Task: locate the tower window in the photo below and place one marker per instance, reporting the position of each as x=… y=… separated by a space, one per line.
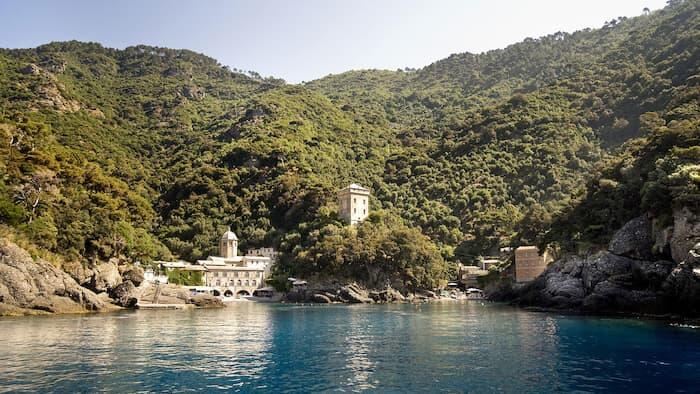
x=354 y=200
x=354 y=210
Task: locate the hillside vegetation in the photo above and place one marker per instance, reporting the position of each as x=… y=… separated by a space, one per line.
x=147 y=153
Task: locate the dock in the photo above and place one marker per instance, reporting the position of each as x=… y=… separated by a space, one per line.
x=164 y=306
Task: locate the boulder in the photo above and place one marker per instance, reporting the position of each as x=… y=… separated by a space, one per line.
x=206 y=301
x=634 y=239
x=105 y=277
x=134 y=275
x=320 y=298
x=562 y=285
x=354 y=294
x=601 y=266
x=79 y=272
x=28 y=284
x=167 y=294
x=388 y=295
x=30 y=69
x=125 y=294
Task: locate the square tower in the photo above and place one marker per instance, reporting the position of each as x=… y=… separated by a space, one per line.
x=353 y=203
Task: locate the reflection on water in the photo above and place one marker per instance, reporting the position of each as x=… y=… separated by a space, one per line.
x=468 y=346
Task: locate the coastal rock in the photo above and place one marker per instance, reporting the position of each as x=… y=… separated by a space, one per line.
x=34 y=284
x=206 y=301
x=125 y=294
x=634 y=239
x=354 y=294
x=570 y=289
x=320 y=298
x=79 y=272
x=686 y=233
x=682 y=290
x=652 y=273
x=105 y=277
x=388 y=295
x=134 y=275
x=598 y=283
x=163 y=294
x=601 y=266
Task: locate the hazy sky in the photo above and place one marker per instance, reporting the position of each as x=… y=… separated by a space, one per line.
x=306 y=39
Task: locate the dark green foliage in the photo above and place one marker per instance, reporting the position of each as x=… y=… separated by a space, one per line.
x=187 y=278
x=379 y=251
x=150 y=153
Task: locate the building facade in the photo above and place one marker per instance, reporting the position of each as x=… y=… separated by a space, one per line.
x=468 y=275
x=353 y=203
x=529 y=264
x=229 y=274
x=264 y=252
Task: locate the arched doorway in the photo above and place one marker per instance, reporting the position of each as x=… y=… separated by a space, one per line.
x=228 y=293
x=242 y=293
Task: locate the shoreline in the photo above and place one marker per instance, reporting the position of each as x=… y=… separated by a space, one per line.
x=673 y=319
x=610 y=314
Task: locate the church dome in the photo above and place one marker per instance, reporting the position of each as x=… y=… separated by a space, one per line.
x=229 y=235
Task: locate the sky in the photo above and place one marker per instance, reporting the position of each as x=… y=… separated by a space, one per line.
x=303 y=40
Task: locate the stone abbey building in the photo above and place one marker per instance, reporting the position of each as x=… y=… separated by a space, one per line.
x=230 y=274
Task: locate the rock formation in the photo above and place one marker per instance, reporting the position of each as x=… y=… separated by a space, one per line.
x=353 y=293
x=29 y=285
x=632 y=275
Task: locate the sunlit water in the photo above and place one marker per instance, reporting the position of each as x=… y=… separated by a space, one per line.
x=249 y=347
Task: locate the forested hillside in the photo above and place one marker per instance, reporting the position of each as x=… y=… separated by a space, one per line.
x=148 y=153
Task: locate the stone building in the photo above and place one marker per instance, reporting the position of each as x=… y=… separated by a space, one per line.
x=529 y=264
x=468 y=275
x=264 y=252
x=353 y=203
x=229 y=274
x=232 y=274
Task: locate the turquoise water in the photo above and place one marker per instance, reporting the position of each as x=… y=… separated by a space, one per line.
x=249 y=347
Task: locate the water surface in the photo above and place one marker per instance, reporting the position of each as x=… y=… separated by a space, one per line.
x=250 y=347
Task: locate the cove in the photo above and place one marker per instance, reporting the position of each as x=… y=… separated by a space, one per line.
x=249 y=347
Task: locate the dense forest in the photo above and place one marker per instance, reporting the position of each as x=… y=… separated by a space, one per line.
x=150 y=153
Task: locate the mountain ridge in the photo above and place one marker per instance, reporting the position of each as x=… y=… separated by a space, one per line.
x=149 y=152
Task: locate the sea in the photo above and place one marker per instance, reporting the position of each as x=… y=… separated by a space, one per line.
x=457 y=347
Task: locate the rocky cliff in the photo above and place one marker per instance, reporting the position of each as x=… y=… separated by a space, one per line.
x=645 y=270
x=29 y=285
x=35 y=286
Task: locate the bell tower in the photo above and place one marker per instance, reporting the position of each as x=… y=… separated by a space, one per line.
x=228 y=245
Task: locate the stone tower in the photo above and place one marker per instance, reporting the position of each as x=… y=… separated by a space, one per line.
x=228 y=245
x=353 y=203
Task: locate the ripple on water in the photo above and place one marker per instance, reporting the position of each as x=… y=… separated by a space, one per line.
x=388 y=348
